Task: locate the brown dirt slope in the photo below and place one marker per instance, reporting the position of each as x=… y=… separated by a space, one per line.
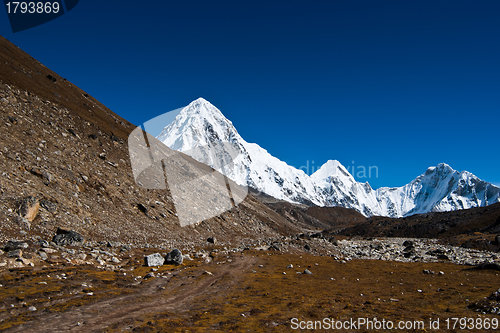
x=60 y=145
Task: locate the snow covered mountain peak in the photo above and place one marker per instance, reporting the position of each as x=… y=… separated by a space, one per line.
x=201 y=131
x=197 y=125
x=330 y=168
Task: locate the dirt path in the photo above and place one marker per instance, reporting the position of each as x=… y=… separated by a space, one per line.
x=148 y=299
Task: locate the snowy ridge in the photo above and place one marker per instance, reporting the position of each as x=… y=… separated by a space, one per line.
x=201 y=131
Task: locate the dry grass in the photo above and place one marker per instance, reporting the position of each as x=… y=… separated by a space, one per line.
x=267 y=300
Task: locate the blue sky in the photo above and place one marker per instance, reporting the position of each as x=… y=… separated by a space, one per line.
x=400 y=85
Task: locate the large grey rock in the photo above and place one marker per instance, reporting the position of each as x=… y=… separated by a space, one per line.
x=174 y=257
x=68 y=238
x=154 y=259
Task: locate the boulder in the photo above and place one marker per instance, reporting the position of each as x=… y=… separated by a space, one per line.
x=174 y=257
x=154 y=259
x=29 y=208
x=68 y=238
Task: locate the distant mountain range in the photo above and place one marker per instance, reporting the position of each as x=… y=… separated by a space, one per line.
x=201 y=131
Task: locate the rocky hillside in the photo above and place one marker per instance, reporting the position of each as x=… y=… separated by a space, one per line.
x=64 y=163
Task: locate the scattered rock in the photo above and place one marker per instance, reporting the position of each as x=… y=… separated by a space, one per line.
x=32 y=308
x=212 y=240
x=307 y=247
x=154 y=259
x=68 y=238
x=490 y=304
x=29 y=208
x=306 y=271
x=174 y=257
x=289 y=266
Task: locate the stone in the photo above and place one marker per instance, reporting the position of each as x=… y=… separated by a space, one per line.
x=15 y=245
x=442 y=257
x=47 y=176
x=42 y=243
x=409 y=248
x=142 y=208
x=42 y=255
x=274 y=247
x=174 y=257
x=408 y=243
x=154 y=259
x=334 y=241
x=306 y=271
x=68 y=238
x=212 y=240
x=307 y=247
x=15 y=254
x=497 y=239
x=29 y=208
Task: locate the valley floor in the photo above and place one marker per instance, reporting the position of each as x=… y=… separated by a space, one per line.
x=246 y=291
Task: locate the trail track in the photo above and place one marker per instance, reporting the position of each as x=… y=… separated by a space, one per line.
x=180 y=291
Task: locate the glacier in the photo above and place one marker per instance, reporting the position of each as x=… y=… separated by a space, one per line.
x=201 y=131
